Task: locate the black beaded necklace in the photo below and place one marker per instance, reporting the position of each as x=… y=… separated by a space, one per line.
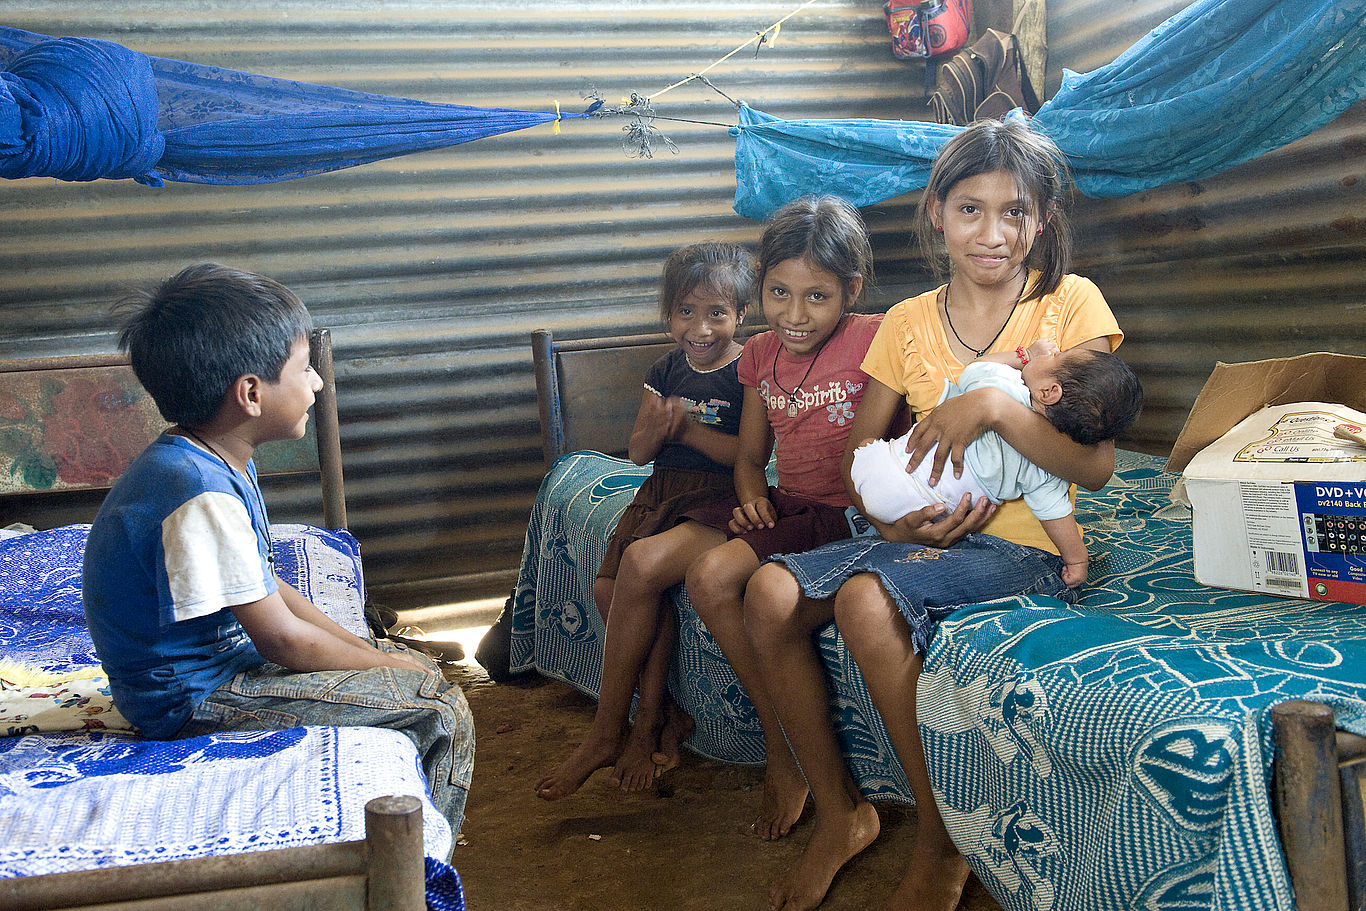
x=948 y=317
x=792 y=396
x=270 y=542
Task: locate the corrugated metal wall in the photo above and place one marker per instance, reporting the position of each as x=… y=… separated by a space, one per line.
x=433 y=269
x=1265 y=260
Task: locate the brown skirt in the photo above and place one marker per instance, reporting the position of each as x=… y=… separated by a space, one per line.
x=659 y=505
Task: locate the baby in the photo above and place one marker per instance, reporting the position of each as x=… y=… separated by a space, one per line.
x=1089 y=395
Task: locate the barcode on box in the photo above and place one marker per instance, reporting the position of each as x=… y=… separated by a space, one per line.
x=1281 y=563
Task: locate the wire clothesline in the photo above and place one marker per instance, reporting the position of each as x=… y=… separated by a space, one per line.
x=761 y=37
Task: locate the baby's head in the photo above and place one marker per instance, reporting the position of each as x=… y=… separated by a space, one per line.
x=192 y=336
x=1089 y=395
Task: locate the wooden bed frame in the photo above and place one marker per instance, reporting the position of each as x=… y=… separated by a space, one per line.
x=26 y=380
x=588 y=395
x=383 y=871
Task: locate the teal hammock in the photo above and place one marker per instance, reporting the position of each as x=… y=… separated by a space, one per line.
x=1216 y=85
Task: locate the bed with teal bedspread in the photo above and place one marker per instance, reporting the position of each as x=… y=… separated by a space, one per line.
x=1116 y=753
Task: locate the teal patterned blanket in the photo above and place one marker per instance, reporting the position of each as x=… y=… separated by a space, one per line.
x=1111 y=754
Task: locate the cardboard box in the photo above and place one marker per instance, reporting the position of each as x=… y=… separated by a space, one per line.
x=1278 y=503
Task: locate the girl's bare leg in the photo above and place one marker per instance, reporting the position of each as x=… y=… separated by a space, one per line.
x=635 y=768
x=716 y=585
x=879 y=640
x=648 y=568
x=603 y=586
x=780 y=621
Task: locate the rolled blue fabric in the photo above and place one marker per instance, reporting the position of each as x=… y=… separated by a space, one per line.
x=79 y=109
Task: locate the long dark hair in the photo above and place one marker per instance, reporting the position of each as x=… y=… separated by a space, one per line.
x=1040 y=175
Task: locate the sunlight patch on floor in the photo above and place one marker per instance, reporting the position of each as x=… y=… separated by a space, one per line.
x=464 y=622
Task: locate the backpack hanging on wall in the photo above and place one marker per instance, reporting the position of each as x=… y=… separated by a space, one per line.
x=987 y=80
x=927 y=29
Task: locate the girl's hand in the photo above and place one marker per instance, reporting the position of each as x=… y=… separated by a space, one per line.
x=950 y=427
x=676 y=418
x=1074 y=574
x=926 y=528
x=752 y=516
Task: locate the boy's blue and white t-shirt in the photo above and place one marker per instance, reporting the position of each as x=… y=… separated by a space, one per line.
x=179 y=539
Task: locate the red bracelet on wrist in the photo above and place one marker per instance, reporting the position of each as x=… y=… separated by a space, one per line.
x=1022 y=354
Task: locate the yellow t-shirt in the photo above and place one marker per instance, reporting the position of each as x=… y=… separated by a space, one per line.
x=910 y=355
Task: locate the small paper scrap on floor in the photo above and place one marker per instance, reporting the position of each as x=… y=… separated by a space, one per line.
x=595 y=838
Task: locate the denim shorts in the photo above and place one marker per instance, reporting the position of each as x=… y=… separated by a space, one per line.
x=929 y=583
x=430 y=711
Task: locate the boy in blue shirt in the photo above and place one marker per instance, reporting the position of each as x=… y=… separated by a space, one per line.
x=194 y=628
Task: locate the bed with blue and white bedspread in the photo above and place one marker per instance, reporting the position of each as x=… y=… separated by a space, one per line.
x=1112 y=754
x=79 y=791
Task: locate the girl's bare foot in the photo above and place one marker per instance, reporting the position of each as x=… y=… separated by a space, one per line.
x=934 y=877
x=834 y=842
x=635 y=769
x=678 y=727
x=589 y=756
x=784 y=799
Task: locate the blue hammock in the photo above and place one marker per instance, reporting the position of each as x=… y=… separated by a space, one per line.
x=1217 y=84
x=84 y=109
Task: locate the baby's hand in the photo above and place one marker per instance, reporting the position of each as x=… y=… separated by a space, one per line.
x=1074 y=574
x=752 y=516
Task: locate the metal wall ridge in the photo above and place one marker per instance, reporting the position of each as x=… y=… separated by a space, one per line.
x=433 y=269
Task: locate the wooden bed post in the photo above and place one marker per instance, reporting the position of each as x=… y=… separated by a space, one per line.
x=395 y=878
x=548 y=395
x=328 y=430
x=1308 y=799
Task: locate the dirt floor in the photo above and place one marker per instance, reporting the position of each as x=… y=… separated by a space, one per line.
x=680 y=846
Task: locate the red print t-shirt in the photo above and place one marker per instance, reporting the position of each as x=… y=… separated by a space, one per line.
x=810 y=426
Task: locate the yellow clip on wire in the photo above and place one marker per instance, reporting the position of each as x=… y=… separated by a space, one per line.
x=556 y=129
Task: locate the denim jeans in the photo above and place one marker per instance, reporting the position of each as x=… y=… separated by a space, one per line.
x=430 y=711
x=929 y=583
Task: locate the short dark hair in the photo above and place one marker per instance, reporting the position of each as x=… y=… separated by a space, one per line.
x=193 y=335
x=828 y=231
x=1101 y=397
x=716 y=267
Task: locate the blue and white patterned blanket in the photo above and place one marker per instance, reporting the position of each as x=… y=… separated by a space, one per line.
x=1112 y=754
x=74 y=801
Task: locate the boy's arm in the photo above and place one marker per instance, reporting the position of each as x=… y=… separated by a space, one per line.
x=1065 y=534
x=1020 y=356
x=302 y=645
x=307 y=611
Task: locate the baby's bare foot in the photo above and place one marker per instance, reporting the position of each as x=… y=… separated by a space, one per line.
x=569 y=776
x=834 y=842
